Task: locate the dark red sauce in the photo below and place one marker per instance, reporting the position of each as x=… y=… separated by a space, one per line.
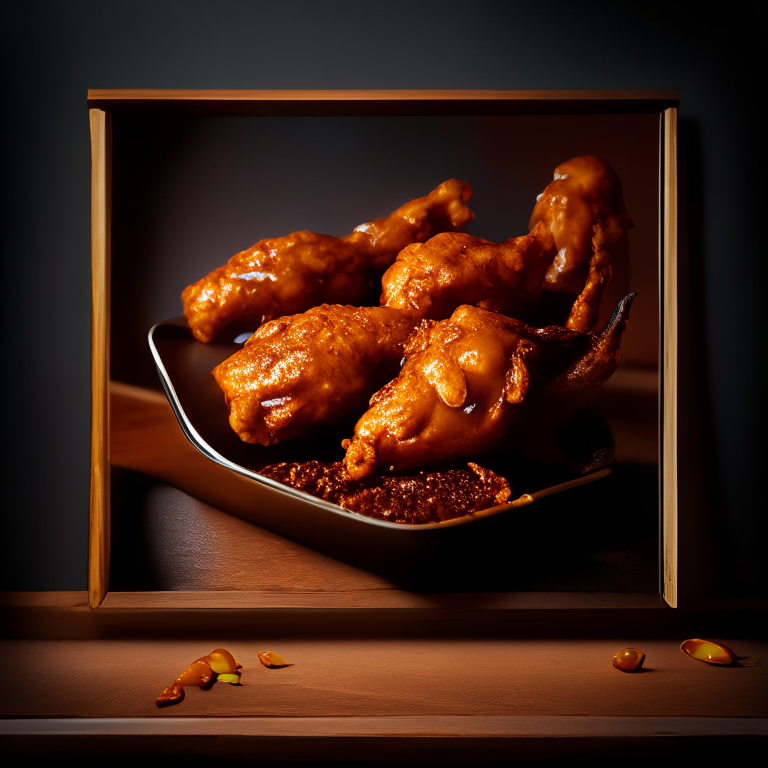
x=425 y=497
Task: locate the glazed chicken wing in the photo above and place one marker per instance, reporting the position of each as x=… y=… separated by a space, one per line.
x=586 y=306
x=479 y=382
x=302 y=372
x=586 y=193
x=578 y=235
x=454 y=268
x=286 y=275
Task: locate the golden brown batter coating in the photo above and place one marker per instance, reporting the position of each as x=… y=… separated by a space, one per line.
x=412 y=499
x=454 y=268
x=286 y=275
x=585 y=192
x=308 y=370
x=477 y=382
x=586 y=306
x=304 y=371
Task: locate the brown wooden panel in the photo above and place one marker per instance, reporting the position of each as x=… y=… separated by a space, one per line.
x=384 y=102
x=382 y=598
x=669 y=330
x=467 y=737
x=101 y=214
x=367 y=615
x=159 y=461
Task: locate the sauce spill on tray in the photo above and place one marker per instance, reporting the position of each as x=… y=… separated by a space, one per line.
x=412 y=499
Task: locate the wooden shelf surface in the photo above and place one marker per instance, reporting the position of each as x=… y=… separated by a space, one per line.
x=383 y=102
x=525 y=738
x=427 y=688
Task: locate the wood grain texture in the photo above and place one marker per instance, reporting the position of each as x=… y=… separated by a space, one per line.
x=383 y=102
x=420 y=677
x=101 y=206
x=368 y=614
x=669 y=494
x=389 y=598
x=147 y=438
x=474 y=726
x=191 y=545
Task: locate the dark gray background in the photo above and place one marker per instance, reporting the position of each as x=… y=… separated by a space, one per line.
x=53 y=52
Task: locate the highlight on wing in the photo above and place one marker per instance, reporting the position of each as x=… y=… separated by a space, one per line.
x=586 y=193
x=479 y=382
x=454 y=363
x=285 y=275
x=299 y=373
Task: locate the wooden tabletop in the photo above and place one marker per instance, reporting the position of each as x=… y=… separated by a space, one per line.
x=378 y=671
x=361 y=686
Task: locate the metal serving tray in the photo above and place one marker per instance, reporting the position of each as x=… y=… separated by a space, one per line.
x=405 y=552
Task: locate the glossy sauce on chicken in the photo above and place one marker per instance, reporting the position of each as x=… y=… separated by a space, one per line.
x=412 y=499
x=479 y=381
x=454 y=268
x=302 y=372
x=585 y=192
x=287 y=275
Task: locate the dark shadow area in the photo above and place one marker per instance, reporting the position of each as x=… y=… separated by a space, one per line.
x=698 y=452
x=130 y=564
x=533 y=750
x=600 y=537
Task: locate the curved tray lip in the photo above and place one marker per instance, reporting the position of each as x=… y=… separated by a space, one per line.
x=201 y=445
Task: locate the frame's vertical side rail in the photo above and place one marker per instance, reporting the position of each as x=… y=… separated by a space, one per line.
x=669 y=341
x=101 y=214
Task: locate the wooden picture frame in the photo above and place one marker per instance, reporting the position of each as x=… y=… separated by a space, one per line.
x=342 y=103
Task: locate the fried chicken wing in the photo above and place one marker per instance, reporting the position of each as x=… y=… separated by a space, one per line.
x=454 y=268
x=286 y=275
x=307 y=370
x=478 y=382
x=301 y=372
x=578 y=234
x=586 y=193
x=296 y=375
x=586 y=307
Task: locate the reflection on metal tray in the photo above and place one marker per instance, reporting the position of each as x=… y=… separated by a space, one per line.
x=185 y=366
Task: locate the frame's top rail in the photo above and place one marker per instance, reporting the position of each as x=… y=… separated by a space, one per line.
x=383 y=102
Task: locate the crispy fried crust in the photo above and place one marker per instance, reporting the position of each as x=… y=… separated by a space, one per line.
x=476 y=382
x=585 y=192
x=286 y=275
x=454 y=268
x=299 y=373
